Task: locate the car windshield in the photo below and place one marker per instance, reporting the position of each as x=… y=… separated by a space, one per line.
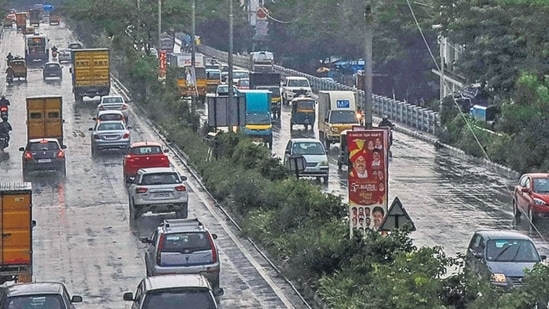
x=238 y=75
x=298 y=83
x=52 y=66
x=112 y=100
x=343 y=117
x=181 y=298
x=175 y=242
x=244 y=82
x=116 y=126
x=541 y=185
x=43 y=146
x=258 y=118
x=160 y=179
x=145 y=150
x=34 y=302
x=304 y=104
x=213 y=75
x=511 y=250
x=308 y=148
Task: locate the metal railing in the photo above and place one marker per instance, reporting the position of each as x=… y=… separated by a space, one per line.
x=408 y=114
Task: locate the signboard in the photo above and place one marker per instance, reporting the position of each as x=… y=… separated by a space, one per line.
x=220 y=114
x=396 y=218
x=48 y=8
x=185 y=60
x=343 y=104
x=162 y=63
x=368 y=177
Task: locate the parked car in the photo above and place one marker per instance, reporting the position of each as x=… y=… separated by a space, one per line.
x=110 y=115
x=174 y=292
x=65 y=55
x=158 y=190
x=44 y=154
x=182 y=246
x=223 y=89
x=110 y=135
x=144 y=155
x=75 y=45
x=114 y=102
x=315 y=157
x=243 y=83
x=52 y=69
x=501 y=256
x=532 y=196
x=37 y=295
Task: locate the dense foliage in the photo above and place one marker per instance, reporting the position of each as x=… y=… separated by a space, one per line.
x=306 y=229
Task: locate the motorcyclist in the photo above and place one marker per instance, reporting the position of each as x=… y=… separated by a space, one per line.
x=5 y=128
x=386 y=123
x=9 y=58
x=10 y=73
x=54 y=51
x=4 y=101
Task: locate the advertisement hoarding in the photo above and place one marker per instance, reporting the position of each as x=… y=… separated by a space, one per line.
x=162 y=63
x=368 y=177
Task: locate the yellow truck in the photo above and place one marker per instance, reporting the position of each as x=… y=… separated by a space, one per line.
x=337 y=112
x=45 y=117
x=90 y=73
x=16 y=227
x=191 y=84
x=21 y=20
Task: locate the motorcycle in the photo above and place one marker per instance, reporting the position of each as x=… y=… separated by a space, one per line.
x=54 y=54
x=9 y=78
x=4 y=142
x=3 y=112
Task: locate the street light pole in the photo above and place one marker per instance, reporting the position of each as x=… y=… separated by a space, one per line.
x=159 y=24
x=368 y=104
x=193 y=34
x=230 y=60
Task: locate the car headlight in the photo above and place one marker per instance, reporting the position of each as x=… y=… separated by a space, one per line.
x=336 y=130
x=324 y=163
x=498 y=278
x=539 y=202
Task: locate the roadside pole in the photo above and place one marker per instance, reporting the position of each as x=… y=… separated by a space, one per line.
x=230 y=60
x=368 y=104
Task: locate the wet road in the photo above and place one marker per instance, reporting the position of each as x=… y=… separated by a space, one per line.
x=83 y=235
x=448 y=195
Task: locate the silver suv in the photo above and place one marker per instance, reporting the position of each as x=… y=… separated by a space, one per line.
x=158 y=190
x=174 y=292
x=182 y=246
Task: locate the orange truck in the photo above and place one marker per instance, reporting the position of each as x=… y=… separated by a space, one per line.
x=16 y=226
x=21 y=20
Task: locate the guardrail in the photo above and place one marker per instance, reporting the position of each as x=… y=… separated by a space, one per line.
x=401 y=112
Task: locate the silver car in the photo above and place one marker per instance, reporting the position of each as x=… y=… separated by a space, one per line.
x=315 y=157
x=182 y=246
x=65 y=55
x=110 y=135
x=114 y=102
x=158 y=190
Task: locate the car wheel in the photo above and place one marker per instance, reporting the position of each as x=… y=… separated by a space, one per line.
x=516 y=211
x=64 y=171
x=326 y=179
x=133 y=211
x=93 y=151
x=339 y=165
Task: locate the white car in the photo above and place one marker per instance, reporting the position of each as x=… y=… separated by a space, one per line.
x=65 y=55
x=315 y=157
x=158 y=190
x=113 y=102
x=294 y=86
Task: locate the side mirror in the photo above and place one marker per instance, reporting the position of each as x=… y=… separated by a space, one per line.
x=184 y=178
x=478 y=255
x=214 y=236
x=524 y=189
x=94 y=118
x=130 y=179
x=129 y=128
x=76 y=299
x=42 y=68
x=166 y=150
x=218 y=291
x=543 y=257
x=287 y=152
x=128 y=296
x=326 y=119
x=21 y=148
x=70 y=70
x=63 y=146
x=90 y=129
x=33 y=222
x=145 y=240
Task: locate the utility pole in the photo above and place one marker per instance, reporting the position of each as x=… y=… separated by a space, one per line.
x=230 y=60
x=368 y=104
x=159 y=24
x=193 y=51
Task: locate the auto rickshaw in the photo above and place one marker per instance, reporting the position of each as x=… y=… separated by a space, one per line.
x=29 y=30
x=19 y=67
x=343 y=157
x=303 y=112
x=7 y=23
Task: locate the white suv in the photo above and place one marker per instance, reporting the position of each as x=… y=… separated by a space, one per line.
x=293 y=87
x=158 y=190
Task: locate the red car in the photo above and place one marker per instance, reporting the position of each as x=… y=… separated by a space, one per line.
x=143 y=155
x=532 y=196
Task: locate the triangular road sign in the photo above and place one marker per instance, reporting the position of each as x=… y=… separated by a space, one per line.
x=396 y=217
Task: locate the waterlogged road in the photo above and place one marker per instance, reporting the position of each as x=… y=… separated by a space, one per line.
x=84 y=237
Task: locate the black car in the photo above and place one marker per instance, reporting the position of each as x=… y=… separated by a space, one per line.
x=75 y=45
x=37 y=295
x=44 y=154
x=52 y=69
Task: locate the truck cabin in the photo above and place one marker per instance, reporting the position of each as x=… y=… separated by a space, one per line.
x=258 y=118
x=36 y=46
x=213 y=75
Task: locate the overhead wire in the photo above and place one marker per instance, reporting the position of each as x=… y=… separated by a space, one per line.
x=462 y=114
x=272 y=18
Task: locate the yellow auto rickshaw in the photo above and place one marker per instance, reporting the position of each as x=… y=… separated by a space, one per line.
x=303 y=112
x=19 y=66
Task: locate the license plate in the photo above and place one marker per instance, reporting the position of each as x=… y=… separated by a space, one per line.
x=44 y=160
x=162 y=194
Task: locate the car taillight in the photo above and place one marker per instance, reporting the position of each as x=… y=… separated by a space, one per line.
x=96 y=137
x=140 y=190
x=214 y=250
x=181 y=188
x=60 y=154
x=159 y=250
x=126 y=135
x=27 y=155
